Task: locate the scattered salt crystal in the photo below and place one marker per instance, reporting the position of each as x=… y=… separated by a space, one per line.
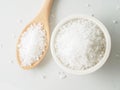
x=115 y=21
x=92 y=15
x=62 y=75
x=80 y=45
x=88 y=5
x=11 y=61
x=117 y=55
x=43 y=76
x=20 y=21
x=32 y=44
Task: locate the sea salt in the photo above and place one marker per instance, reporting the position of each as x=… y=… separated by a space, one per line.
x=32 y=44
x=88 y=5
x=92 y=15
x=80 y=44
x=43 y=76
x=62 y=75
x=115 y=21
x=20 y=21
x=11 y=61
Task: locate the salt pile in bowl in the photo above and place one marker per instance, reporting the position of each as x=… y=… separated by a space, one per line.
x=79 y=44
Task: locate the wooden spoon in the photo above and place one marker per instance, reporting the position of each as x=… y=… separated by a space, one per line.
x=43 y=18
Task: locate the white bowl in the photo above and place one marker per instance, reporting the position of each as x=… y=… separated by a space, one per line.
x=99 y=64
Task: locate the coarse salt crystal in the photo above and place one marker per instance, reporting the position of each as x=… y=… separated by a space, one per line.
x=43 y=76
x=32 y=44
x=62 y=75
x=88 y=5
x=11 y=61
x=20 y=21
x=115 y=21
x=92 y=15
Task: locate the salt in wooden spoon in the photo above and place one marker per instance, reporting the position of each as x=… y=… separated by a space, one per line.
x=43 y=18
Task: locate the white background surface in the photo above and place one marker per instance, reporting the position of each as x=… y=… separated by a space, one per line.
x=15 y=14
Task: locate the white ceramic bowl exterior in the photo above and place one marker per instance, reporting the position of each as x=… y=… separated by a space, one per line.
x=107 y=51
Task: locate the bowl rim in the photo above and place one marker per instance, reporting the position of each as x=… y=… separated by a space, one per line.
x=107 y=51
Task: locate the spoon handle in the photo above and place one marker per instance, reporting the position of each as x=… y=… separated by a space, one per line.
x=45 y=10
